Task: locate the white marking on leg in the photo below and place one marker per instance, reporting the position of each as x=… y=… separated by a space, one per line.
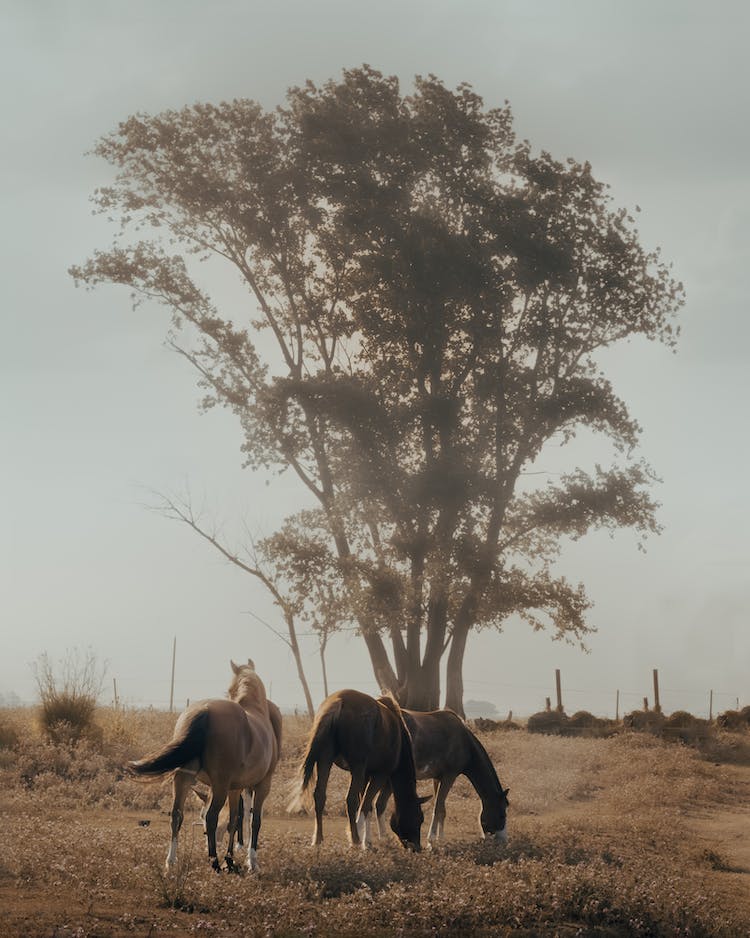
x=382 y=826
x=362 y=829
x=252 y=860
x=172 y=854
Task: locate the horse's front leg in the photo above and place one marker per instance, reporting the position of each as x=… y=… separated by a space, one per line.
x=180 y=787
x=353 y=799
x=380 y=805
x=319 y=799
x=441 y=787
x=259 y=796
x=218 y=797
x=375 y=784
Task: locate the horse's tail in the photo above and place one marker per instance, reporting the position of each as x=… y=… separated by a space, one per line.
x=188 y=745
x=320 y=737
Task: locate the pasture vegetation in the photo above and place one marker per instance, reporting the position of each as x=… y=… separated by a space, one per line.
x=601 y=843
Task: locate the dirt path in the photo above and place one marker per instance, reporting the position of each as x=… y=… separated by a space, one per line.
x=726 y=836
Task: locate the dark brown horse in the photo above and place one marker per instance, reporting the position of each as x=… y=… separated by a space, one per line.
x=444 y=748
x=229 y=745
x=369 y=739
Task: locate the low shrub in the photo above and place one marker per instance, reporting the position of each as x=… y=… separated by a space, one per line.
x=549 y=722
x=68 y=700
x=734 y=720
x=8 y=733
x=485 y=725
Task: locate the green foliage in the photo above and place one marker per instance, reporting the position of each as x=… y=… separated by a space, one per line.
x=438 y=296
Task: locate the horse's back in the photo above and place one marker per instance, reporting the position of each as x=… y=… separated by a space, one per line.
x=440 y=741
x=241 y=746
x=366 y=733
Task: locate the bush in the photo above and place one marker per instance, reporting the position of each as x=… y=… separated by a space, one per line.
x=485 y=725
x=550 y=722
x=735 y=720
x=68 y=702
x=644 y=721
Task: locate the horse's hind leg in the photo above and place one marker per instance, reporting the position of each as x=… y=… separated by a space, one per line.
x=259 y=796
x=218 y=797
x=181 y=785
x=235 y=801
x=319 y=799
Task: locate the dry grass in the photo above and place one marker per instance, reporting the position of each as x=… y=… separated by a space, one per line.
x=598 y=845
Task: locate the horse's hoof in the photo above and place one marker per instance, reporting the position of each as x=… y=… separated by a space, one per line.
x=215 y=865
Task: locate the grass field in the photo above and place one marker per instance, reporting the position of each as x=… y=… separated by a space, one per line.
x=611 y=837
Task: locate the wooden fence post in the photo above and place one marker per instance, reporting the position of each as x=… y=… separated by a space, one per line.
x=645 y=704
x=547 y=705
x=559 y=691
x=617 y=707
x=657 y=705
x=114 y=683
x=171 y=688
x=711 y=707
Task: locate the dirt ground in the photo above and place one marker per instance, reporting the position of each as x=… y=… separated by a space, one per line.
x=57 y=911
x=669 y=826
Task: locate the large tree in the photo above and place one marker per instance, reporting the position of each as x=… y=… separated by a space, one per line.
x=438 y=296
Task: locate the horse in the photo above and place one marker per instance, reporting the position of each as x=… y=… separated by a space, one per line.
x=228 y=745
x=369 y=739
x=203 y=795
x=444 y=748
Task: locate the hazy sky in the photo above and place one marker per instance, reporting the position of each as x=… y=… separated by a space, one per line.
x=94 y=410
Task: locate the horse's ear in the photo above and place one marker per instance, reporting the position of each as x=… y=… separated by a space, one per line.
x=251 y=663
x=235 y=667
x=424 y=798
x=506 y=791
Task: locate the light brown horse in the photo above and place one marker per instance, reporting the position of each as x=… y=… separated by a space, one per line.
x=444 y=748
x=204 y=796
x=229 y=745
x=369 y=739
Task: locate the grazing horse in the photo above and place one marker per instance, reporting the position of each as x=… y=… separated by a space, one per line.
x=444 y=748
x=368 y=738
x=228 y=745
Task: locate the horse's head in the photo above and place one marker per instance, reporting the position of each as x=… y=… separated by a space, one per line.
x=246 y=688
x=407 y=825
x=493 y=817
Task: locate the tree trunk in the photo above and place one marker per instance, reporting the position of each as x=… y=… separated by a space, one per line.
x=384 y=674
x=423 y=686
x=454 y=683
x=323 y=644
x=300 y=670
x=422 y=690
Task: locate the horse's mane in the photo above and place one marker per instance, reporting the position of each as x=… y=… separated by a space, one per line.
x=482 y=759
x=406 y=764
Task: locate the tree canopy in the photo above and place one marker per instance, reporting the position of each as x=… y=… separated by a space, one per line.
x=438 y=295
